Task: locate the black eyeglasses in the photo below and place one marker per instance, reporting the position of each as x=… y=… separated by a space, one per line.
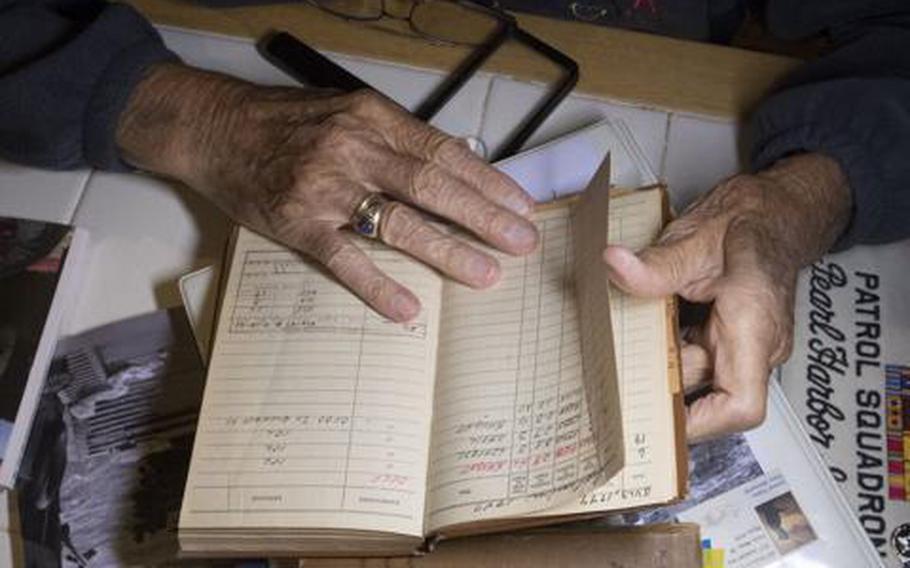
x=457 y=22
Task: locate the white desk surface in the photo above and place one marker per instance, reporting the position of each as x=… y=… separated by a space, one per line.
x=146 y=233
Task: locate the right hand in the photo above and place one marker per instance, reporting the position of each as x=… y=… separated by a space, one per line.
x=294 y=164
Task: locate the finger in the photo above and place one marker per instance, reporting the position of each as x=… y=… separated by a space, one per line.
x=696 y=366
x=687 y=260
x=456 y=157
x=403 y=228
x=738 y=400
x=433 y=188
x=656 y=271
x=719 y=413
x=407 y=135
x=356 y=271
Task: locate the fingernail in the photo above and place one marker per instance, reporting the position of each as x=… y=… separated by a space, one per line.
x=618 y=261
x=519 y=204
x=405 y=307
x=483 y=271
x=619 y=257
x=522 y=235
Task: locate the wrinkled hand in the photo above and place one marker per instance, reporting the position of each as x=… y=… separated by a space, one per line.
x=739 y=248
x=294 y=164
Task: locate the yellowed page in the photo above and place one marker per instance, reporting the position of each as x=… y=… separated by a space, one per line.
x=639 y=329
x=592 y=286
x=511 y=432
x=316 y=411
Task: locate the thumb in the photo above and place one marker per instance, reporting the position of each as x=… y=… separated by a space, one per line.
x=656 y=271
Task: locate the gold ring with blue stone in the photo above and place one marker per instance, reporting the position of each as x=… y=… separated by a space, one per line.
x=368 y=215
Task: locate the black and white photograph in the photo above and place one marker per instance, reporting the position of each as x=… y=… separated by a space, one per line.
x=103 y=474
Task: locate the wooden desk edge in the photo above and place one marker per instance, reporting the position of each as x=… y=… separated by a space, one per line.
x=622 y=66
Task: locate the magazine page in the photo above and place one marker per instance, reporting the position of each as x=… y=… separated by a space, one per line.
x=849 y=382
x=754 y=524
x=765 y=499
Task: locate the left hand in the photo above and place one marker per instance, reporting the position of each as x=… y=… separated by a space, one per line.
x=739 y=248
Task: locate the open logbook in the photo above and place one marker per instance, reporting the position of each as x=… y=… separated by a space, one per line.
x=327 y=430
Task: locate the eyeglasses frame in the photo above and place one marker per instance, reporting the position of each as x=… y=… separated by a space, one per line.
x=310 y=67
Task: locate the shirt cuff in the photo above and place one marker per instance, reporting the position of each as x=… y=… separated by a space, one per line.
x=132 y=46
x=861 y=124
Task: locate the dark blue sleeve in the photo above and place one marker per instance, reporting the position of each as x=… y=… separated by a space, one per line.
x=852 y=105
x=67 y=69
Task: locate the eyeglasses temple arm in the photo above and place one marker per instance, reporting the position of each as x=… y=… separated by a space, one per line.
x=305 y=64
x=312 y=68
x=465 y=70
x=545 y=107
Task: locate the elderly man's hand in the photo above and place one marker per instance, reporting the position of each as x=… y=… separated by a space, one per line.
x=294 y=164
x=739 y=249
